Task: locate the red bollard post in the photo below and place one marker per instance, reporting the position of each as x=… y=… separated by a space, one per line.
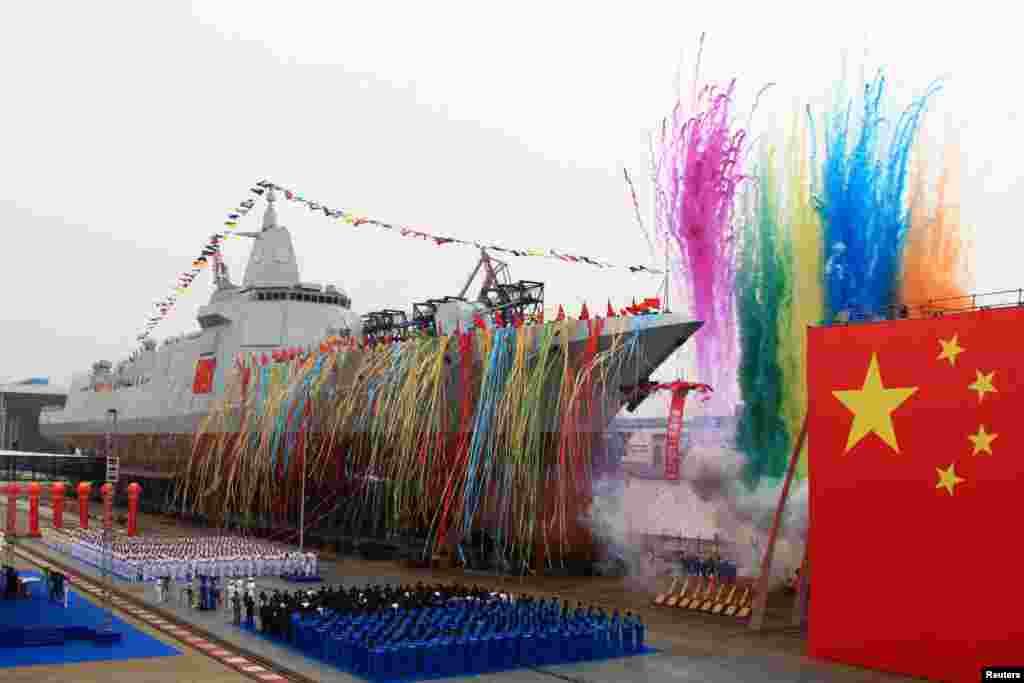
x=108 y=505
x=12 y=509
x=83 y=504
x=134 y=493
x=34 y=491
x=57 y=491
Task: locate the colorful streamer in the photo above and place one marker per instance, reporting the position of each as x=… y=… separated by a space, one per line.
x=384 y=427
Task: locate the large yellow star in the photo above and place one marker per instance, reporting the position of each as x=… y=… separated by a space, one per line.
x=983 y=384
x=950 y=349
x=948 y=478
x=982 y=441
x=872 y=406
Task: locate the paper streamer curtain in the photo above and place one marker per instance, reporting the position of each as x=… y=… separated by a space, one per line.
x=379 y=432
x=212 y=247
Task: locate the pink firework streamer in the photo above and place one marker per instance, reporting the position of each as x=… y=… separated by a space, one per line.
x=697 y=174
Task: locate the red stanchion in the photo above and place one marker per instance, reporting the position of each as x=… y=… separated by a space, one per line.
x=134 y=493
x=108 y=505
x=34 y=491
x=84 y=489
x=57 y=491
x=12 y=509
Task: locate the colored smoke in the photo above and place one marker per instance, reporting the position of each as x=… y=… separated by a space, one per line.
x=698 y=158
x=863 y=200
x=936 y=261
x=763 y=292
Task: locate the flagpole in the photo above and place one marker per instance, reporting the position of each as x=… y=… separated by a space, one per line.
x=761 y=591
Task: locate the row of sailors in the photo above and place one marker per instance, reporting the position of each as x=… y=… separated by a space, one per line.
x=189 y=546
x=178 y=563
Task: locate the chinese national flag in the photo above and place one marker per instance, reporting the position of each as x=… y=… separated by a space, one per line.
x=203 y=382
x=916 y=472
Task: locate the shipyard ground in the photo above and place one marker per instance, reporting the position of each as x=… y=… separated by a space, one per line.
x=693 y=646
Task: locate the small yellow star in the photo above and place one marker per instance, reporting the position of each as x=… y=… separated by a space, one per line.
x=950 y=349
x=983 y=384
x=948 y=478
x=982 y=441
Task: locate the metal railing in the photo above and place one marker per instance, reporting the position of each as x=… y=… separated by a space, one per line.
x=933 y=308
x=23 y=466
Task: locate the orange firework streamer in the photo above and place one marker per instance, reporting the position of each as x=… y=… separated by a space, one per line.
x=937 y=252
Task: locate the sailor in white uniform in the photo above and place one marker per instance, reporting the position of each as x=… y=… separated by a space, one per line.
x=229 y=594
x=309 y=566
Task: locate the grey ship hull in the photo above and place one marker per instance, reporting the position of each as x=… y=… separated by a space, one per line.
x=661 y=336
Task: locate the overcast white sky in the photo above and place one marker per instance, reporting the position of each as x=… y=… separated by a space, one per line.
x=129 y=128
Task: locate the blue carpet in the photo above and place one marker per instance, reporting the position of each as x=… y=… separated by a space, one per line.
x=38 y=611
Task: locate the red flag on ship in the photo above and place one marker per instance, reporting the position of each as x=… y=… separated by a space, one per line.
x=202 y=383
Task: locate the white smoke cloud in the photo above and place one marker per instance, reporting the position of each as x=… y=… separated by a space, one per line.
x=711 y=498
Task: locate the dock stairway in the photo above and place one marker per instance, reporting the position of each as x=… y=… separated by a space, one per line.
x=113 y=469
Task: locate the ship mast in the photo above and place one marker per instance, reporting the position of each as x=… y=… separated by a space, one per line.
x=494 y=270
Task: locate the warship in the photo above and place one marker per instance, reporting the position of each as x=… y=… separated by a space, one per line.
x=150 y=405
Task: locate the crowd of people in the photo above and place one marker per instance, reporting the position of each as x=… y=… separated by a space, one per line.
x=387 y=632
x=184 y=558
x=709 y=565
